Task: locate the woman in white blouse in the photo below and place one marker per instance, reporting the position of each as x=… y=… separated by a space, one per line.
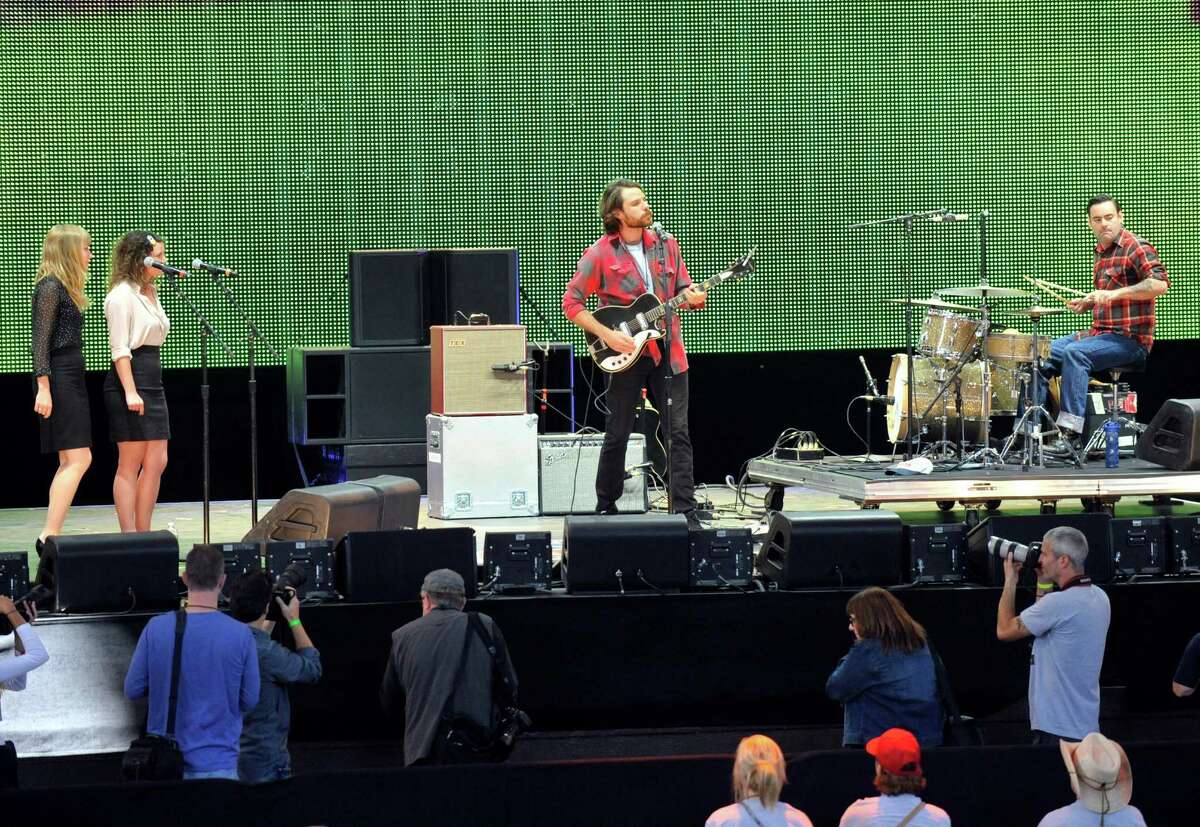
x=133 y=392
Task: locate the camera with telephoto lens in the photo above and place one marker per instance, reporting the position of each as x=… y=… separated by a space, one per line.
x=286 y=585
x=1023 y=554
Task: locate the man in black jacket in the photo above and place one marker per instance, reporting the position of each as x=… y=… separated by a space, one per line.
x=424 y=664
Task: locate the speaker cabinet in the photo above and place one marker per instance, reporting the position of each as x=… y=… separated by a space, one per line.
x=721 y=558
x=389 y=300
x=832 y=549
x=1184 y=534
x=1172 y=439
x=387 y=394
x=1140 y=545
x=516 y=562
x=466 y=282
x=462 y=379
x=239 y=559
x=401 y=459
x=329 y=511
x=314 y=558
x=112 y=572
x=625 y=552
x=567 y=474
x=937 y=553
x=386 y=566
x=985 y=567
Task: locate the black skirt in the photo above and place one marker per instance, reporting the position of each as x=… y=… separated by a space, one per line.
x=70 y=422
x=123 y=424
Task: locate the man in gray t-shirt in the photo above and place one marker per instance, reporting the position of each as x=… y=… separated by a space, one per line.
x=1069 y=624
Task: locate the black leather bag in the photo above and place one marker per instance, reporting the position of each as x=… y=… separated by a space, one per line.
x=157 y=757
x=461 y=740
x=958 y=730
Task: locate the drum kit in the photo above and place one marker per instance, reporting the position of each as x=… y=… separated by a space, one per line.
x=964 y=374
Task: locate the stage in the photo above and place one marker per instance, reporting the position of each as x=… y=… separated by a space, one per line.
x=869 y=484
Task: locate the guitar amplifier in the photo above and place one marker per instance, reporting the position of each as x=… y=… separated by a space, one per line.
x=567 y=473
x=721 y=558
x=462 y=380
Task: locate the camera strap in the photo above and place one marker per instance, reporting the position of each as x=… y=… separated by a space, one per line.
x=176 y=661
x=499 y=679
x=1081 y=580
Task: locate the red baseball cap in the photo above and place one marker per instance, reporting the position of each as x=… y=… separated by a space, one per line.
x=897 y=751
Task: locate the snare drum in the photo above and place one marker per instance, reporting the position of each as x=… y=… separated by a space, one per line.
x=1015 y=347
x=925 y=388
x=947 y=336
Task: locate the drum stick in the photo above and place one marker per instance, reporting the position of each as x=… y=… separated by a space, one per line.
x=1064 y=288
x=1041 y=285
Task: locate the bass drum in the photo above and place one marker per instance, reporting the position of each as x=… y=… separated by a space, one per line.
x=925 y=388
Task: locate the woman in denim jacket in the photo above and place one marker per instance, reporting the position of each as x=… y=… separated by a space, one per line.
x=887 y=678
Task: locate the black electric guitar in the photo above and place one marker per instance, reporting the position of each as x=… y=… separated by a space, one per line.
x=642 y=321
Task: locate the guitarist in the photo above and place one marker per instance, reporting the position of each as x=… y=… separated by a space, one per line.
x=621 y=265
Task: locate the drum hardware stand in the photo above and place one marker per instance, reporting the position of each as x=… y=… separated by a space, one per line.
x=907 y=220
x=944 y=384
x=206 y=331
x=986 y=455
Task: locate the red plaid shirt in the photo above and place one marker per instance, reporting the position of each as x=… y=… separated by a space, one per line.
x=610 y=271
x=1127 y=261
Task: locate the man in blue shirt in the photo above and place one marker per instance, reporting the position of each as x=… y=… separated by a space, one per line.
x=264 y=755
x=218 y=673
x=1069 y=623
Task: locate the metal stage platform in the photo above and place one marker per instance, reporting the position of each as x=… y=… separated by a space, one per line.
x=869 y=484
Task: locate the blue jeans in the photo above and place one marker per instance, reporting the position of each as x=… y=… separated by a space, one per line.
x=1075 y=359
x=199 y=775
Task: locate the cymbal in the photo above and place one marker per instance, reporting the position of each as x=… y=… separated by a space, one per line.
x=938 y=303
x=985 y=290
x=1035 y=312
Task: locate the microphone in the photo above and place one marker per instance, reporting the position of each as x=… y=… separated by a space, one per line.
x=512 y=367
x=870 y=379
x=151 y=261
x=657 y=229
x=948 y=216
x=212 y=268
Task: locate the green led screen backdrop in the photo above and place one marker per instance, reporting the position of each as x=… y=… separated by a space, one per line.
x=274 y=137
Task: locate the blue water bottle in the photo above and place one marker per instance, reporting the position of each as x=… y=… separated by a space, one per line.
x=1112 y=443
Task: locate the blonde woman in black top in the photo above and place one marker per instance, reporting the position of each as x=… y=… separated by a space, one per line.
x=61 y=399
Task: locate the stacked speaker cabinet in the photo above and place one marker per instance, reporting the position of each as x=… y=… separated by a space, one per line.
x=552 y=386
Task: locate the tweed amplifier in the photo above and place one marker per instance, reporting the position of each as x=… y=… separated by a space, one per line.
x=567 y=473
x=465 y=377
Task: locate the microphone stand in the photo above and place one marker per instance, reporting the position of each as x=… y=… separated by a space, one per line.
x=667 y=413
x=206 y=330
x=253 y=335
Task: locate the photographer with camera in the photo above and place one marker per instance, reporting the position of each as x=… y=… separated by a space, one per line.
x=29 y=655
x=1069 y=623
x=451 y=671
x=264 y=743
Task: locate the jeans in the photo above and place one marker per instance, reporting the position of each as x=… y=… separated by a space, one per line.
x=624 y=393
x=1075 y=359
x=199 y=775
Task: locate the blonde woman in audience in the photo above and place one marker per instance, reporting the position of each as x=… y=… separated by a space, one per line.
x=759 y=773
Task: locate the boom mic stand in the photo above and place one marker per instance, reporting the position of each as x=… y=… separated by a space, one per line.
x=206 y=330
x=665 y=348
x=253 y=335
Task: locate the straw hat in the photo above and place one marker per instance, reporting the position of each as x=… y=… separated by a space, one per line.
x=1100 y=773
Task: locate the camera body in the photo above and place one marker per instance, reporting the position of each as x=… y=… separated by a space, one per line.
x=287 y=584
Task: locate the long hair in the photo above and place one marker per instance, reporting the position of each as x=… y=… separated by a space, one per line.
x=127 y=257
x=889 y=784
x=880 y=615
x=759 y=770
x=613 y=200
x=62 y=258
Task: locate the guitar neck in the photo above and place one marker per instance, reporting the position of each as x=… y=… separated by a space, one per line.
x=658 y=312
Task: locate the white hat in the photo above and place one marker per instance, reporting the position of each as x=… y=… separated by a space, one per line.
x=1100 y=773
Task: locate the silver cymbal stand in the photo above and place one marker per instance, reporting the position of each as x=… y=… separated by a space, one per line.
x=986 y=455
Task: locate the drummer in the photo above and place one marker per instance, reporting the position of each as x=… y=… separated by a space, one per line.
x=1128 y=276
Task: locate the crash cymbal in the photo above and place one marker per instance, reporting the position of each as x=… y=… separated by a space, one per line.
x=985 y=290
x=1036 y=312
x=934 y=302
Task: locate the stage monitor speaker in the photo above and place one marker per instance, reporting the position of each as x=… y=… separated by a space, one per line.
x=467 y=282
x=625 y=552
x=311 y=559
x=1184 y=534
x=14 y=580
x=239 y=559
x=1172 y=439
x=112 y=572
x=388 y=298
x=399 y=459
x=937 y=553
x=387 y=394
x=462 y=379
x=832 y=549
x=721 y=558
x=1140 y=545
x=985 y=567
x=388 y=566
x=517 y=562
x=327 y=512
